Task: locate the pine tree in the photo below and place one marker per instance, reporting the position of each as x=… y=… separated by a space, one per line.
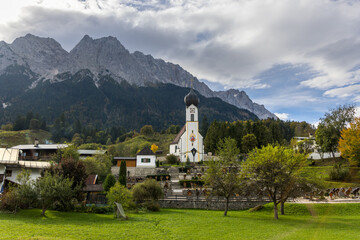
x=122 y=173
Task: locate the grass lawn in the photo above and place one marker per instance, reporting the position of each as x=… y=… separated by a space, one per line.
x=313 y=221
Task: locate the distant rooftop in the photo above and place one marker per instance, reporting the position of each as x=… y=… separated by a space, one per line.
x=40 y=146
x=91 y=152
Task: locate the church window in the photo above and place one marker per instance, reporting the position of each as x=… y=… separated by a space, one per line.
x=192 y=117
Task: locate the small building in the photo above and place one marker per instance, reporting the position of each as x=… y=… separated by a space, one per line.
x=130 y=161
x=94 y=191
x=146 y=158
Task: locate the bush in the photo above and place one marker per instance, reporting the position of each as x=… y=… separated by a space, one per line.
x=171 y=159
x=150 y=190
x=94 y=209
x=339 y=173
x=119 y=193
x=9 y=201
x=152 y=206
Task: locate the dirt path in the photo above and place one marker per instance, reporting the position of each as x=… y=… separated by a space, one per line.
x=327 y=200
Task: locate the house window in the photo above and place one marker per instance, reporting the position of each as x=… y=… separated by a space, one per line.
x=145 y=160
x=192 y=117
x=8 y=173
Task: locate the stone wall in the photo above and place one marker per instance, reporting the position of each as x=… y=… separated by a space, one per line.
x=135 y=171
x=210 y=205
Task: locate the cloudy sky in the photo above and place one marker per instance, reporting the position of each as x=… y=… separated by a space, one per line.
x=299 y=58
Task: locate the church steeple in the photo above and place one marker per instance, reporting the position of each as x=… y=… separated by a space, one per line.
x=191 y=98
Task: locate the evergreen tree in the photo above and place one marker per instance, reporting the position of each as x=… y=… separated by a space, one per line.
x=204 y=126
x=109 y=182
x=122 y=173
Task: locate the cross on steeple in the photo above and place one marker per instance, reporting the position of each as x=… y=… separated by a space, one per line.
x=191 y=79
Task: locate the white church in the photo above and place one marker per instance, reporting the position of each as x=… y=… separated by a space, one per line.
x=188 y=144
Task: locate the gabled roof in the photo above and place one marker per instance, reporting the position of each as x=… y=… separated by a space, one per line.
x=146 y=151
x=178 y=136
x=91 y=179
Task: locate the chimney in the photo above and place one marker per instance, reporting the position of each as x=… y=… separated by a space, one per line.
x=36 y=143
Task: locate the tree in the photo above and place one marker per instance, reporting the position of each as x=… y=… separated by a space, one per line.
x=329 y=129
x=223 y=175
x=249 y=142
x=71 y=152
x=150 y=190
x=109 y=182
x=77 y=140
x=204 y=126
x=34 y=124
x=349 y=143
x=119 y=193
x=147 y=130
x=99 y=164
x=171 y=159
x=154 y=148
x=54 y=188
x=122 y=173
x=273 y=170
x=305 y=146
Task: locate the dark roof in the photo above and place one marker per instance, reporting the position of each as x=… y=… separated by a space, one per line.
x=191 y=98
x=91 y=179
x=146 y=151
x=178 y=136
x=124 y=158
x=93 y=188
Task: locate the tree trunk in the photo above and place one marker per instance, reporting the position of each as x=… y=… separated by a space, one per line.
x=43 y=211
x=276 y=216
x=226 y=206
x=282 y=210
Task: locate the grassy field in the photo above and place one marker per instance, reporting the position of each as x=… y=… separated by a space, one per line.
x=315 y=221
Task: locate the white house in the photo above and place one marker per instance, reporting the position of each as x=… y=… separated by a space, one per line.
x=146 y=158
x=11 y=166
x=188 y=144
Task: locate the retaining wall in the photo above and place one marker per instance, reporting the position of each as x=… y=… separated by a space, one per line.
x=209 y=205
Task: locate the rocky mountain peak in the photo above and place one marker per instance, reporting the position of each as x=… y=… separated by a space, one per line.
x=43 y=55
x=107 y=56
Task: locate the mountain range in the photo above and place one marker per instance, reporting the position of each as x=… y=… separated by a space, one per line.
x=107 y=56
x=34 y=68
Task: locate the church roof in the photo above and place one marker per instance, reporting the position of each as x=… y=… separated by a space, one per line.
x=178 y=136
x=146 y=151
x=191 y=98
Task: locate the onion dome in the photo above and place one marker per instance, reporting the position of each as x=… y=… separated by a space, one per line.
x=191 y=98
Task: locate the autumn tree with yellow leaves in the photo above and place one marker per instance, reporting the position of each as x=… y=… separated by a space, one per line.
x=154 y=148
x=349 y=143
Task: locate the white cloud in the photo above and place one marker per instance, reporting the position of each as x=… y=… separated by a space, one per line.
x=231 y=42
x=226 y=41
x=282 y=116
x=344 y=92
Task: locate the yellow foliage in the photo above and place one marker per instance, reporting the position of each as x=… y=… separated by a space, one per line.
x=349 y=143
x=154 y=148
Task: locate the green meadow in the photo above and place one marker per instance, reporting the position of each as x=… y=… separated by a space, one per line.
x=312 y=221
